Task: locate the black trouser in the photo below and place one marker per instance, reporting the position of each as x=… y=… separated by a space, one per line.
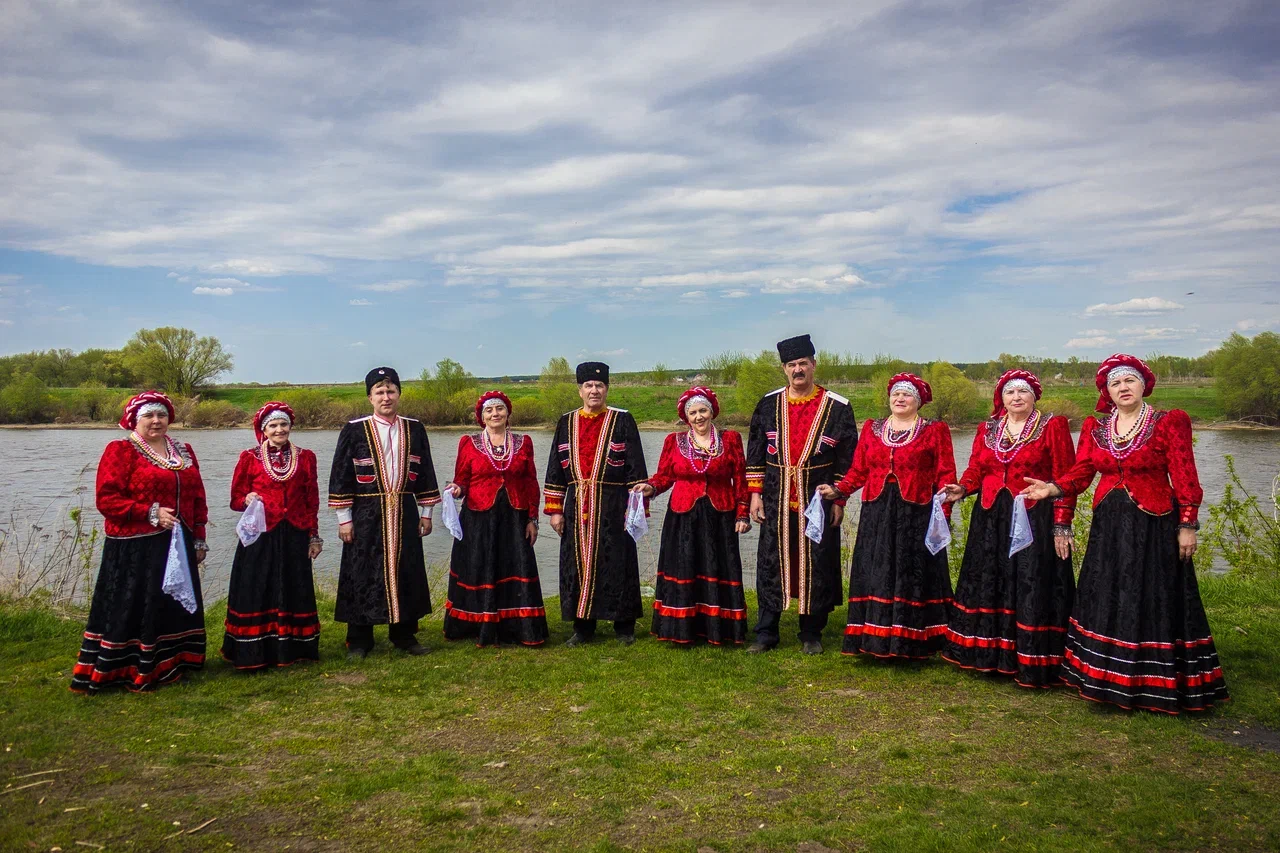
x=621 y=627
x=811 y=626
x=401 y=635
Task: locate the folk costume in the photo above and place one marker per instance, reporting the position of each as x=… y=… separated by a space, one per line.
x=793 y=447
x=138 y=636
x=271 y=600
x=595 y=459
x=1138 y=636
x=383 y=482
x=898 y=592
x=494 y=592
x=1009 y=615
x=698 y=591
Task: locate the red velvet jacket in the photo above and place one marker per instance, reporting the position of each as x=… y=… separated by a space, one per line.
x=129 y=483
x=920 y=468
x=1158 y=474
x=480 y=481
x=1047 y=456
x=724 y=481
x=296 y=500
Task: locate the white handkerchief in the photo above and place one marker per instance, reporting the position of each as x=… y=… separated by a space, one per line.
x=449 y=515
x=938 y=536
x=252 y=523
x=815 y=518
x=177 y=572
x=1020 y=535
x=637 y=524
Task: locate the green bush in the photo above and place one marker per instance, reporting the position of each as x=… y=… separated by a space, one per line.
x=217 y=414
x=955 y=398
x=1248 y=377
x=1069 y=409
x=757 y=377
x=26 y=400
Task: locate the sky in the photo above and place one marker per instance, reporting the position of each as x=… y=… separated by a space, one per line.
x=329 y=186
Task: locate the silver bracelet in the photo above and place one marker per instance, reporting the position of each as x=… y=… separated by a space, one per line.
x=153 y=514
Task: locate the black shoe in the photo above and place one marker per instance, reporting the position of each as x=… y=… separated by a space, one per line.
x=576 y=640
x=760 y=647
x=415 y=649
x=811 y=647
x=627 y=639
x=356 y=653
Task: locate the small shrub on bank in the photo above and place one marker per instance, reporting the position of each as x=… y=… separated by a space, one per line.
x=217 y=414
x=26 y=400
x=955 y=397
x=1069 y=409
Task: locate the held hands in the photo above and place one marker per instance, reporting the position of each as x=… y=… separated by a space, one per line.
x=644 y=489
x=1039 y=490
x=1186 y=543
x=1062 y=545
x=952 y=492
x=557 y=523
x=757 y=509
x=531 y=532
x=347 y=532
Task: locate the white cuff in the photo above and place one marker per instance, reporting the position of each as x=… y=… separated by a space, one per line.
x=344 y=515
x=424 y=511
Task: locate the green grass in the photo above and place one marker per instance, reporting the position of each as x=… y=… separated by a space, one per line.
x=609 y=748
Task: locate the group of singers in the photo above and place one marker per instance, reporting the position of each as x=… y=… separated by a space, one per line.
x=1132 y=633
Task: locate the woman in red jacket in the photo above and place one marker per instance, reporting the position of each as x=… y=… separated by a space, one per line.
x=146 y=624
x=271 y=601
x=898 y=591
x=1010 y=611
x=494 y=592
x=1138 y=635
x=698 y=591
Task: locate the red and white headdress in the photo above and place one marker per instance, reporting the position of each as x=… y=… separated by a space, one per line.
x=922 y=390
x=1117 y=364
x=701 y=394
x=1017 y=375
x=133 y=408
x=269 y=412
x=486 y=397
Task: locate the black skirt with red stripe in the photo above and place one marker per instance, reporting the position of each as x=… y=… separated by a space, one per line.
x=898 y=591
x=698 y=590
x=1010 y=614
x=138 y=637
x=271 y=602
x=494 y=592
x=1138 y=636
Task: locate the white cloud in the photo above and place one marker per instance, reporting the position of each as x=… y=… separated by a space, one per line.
x=224 y=282
x=213 y=291
x=734 y=294
x=392 y=286
x=4 y=322
x=357 y=344
x=1090 y=339
x=694 y=294
x=360 y=302
x=835 y=283
x=1139 y=307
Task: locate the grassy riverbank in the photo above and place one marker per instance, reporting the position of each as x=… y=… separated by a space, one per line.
x=605 y=748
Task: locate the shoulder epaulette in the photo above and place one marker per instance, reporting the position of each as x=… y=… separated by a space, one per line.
x=360 y=420
x=834 y=396
x=777 y=391
x=616 y=409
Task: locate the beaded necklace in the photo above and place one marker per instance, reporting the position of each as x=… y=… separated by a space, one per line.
x=277 y=473
x=172 y=462
x=700 y=457
x=500 y=457
x=900 y=438
x=1122 y=446
x=1007 y=447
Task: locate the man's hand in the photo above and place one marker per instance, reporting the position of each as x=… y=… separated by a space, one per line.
x=557 y=523
x=424 y=526
x=757 y=509
x=347 y=532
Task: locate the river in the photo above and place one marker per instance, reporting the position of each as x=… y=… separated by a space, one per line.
x=46 y=472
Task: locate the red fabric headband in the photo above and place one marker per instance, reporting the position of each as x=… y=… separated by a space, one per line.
x=698 y=391
x=129 y=420
x=922 y=388
x=997 y=407
x=260 y=416
x=1121 y=359
x=491 y=395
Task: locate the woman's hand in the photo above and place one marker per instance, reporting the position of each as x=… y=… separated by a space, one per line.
x=644 y=489
x=952 y=493
x=347 y=532
x=1062 y=544
x=531 y=532
x=837 y=515
x=827 y=492
x=251 y=497
x=742 y=525
x=1186 y=543
x=1039 y=490
x=557 y=523
x=453 y=489
x=201 y=553
x=166 y=518
x=314 y=549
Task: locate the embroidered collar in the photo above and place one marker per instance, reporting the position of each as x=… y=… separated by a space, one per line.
x=583 y=413
x=796 y=401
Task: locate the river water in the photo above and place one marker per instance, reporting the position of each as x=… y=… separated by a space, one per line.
x=46 y=472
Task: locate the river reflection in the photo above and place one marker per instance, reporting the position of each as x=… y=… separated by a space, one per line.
x=46 y=472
